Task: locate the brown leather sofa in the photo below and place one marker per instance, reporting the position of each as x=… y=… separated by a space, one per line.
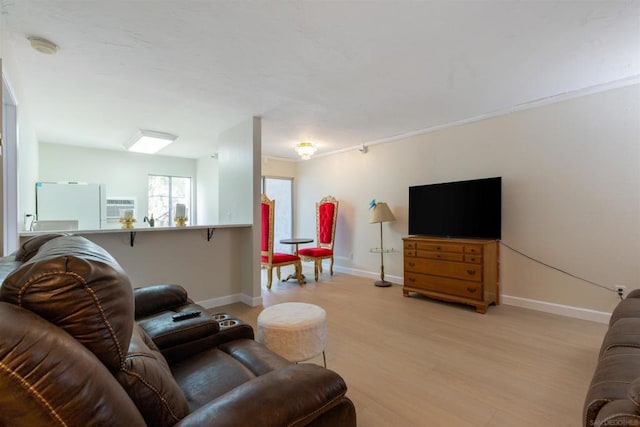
x=73 y=354
x=613 y=398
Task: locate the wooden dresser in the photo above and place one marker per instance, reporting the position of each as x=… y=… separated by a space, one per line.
x=456 y=270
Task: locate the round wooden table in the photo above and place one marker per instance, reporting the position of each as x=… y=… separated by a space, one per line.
x=295 y=241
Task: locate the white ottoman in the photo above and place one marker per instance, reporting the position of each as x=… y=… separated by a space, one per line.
x=296 y=331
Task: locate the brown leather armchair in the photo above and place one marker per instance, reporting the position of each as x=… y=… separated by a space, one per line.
x=71 y=354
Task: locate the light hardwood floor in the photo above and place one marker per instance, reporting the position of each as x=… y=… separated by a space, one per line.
x=412 y=361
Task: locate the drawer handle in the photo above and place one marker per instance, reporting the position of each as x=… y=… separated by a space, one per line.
x=438 y=248
x=471 y=272
x=471 y=290
x=412 y=279
x=438 y=256
x=412 y=264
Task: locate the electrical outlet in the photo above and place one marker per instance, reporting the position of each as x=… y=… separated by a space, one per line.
x=620 y=289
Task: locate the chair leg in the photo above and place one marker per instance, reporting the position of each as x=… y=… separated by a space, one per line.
x=269 y=274
x=299 y=273
x=278 y=272
x=331 y=268
x=316 y=269
x=319 y=261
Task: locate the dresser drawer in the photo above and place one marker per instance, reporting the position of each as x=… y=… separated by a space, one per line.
x=476 y=259
x=473 y=249
x=458 y=270
x=410 y=252
x=448 y=256
x=443 y=285
x=409 y=244
x=440 y=247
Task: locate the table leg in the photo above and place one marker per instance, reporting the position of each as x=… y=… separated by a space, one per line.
x=295 y=275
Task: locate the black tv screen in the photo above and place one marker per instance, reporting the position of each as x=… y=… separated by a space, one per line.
x=457 y=209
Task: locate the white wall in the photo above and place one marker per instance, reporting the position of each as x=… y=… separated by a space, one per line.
x=27 y=142
x=235 y=172
x=211 y=271
x=207 y=191
x=571 y=194
x=124 y=174
x=278 y=168
x=239 y=193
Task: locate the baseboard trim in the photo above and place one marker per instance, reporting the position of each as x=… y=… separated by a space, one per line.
x=396 y=280
x=547 y=307
x=562 y=310
x=231 y=299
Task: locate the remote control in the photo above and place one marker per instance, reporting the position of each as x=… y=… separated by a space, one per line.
x=185 y=315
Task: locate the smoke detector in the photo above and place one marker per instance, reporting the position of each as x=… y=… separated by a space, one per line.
x=43 y=45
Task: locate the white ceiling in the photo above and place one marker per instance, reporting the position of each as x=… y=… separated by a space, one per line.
x=340 y=73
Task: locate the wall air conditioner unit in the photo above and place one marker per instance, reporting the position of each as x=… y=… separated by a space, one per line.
x=117 y=205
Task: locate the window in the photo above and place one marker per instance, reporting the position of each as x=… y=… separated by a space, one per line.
x=164 y=193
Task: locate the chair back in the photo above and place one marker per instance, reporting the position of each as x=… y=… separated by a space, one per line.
x=267 y=208
x=326 y=219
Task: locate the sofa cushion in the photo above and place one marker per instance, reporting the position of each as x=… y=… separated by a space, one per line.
x=208 y=375
x=47 y=378
x=255 y=356
x=78 y=286
x=623 y=333
x=147 y=378
x=629 y=307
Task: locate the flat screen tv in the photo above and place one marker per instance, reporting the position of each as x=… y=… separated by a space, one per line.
x=457 y=209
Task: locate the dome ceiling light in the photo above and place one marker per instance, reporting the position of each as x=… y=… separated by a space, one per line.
x=43 y=45
x=306 y=149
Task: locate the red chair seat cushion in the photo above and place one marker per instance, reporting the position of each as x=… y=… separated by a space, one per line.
x=279 y=258
x=316 y=252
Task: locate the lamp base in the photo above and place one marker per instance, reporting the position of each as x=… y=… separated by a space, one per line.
x=383 y=283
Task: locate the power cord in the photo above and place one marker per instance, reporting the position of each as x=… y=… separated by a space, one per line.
x=618 y=291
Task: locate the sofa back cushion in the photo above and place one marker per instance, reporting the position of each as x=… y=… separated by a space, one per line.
x=76 y=285
x=30 y=247
x=147 y=378
x=48 y=378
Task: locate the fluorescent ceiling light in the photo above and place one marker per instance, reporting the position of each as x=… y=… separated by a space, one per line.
x=149 y=142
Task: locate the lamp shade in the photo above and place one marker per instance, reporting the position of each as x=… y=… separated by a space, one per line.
x=381 y=213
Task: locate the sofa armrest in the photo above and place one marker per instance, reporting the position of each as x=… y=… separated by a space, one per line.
x=291 y=396
x=185 y=349
x=156 y=298
x=618 y=413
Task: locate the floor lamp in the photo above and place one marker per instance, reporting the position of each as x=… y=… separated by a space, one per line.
x=381 y=213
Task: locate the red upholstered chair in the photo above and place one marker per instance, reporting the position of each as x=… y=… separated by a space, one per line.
x=326 y=219
x=268 y=258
